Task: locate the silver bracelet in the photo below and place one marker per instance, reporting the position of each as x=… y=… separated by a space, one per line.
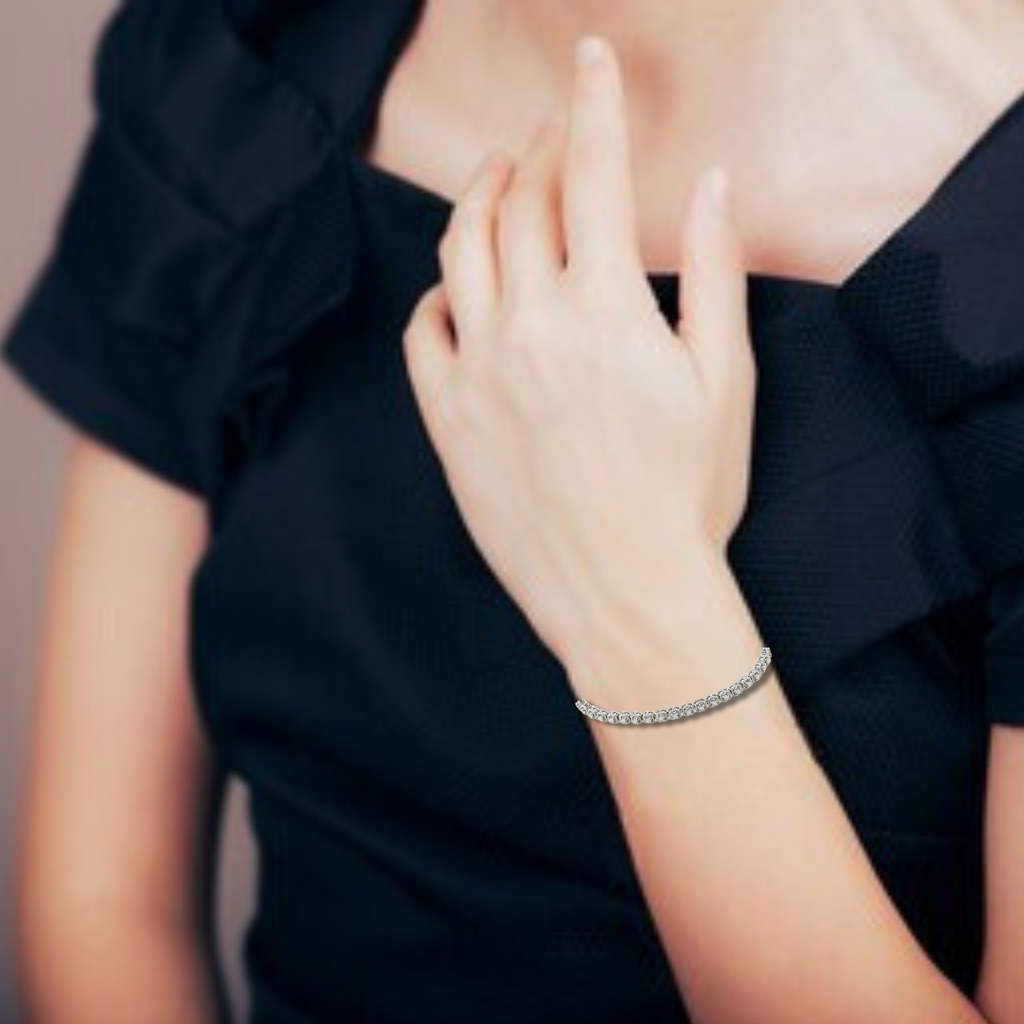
x=685 y=710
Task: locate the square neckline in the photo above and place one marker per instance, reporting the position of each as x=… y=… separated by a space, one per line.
x=357 y=134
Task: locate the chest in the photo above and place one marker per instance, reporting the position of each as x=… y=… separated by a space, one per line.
x=821 y=178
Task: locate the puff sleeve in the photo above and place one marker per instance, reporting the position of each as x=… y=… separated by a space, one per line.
x=110 y=328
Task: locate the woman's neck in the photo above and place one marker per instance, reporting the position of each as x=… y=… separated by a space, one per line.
x=652 y=37
x=670 y=47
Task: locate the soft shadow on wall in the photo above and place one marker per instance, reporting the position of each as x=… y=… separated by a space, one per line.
x=45 y=70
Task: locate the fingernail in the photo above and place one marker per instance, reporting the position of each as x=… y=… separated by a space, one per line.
x=589 y=50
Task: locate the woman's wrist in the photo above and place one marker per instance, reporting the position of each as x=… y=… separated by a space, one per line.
x=668 y=642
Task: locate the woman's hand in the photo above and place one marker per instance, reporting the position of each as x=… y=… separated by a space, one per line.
x=600 y=458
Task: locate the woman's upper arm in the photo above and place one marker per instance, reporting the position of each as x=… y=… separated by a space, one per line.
x=123 y=789
x=1001 y=985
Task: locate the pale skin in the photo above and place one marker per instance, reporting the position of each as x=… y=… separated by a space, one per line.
x=661 y=425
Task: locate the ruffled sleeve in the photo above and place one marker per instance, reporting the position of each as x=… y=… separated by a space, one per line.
x=942 y=305
x=888 y=470
x=107 y=334
x=206 y=225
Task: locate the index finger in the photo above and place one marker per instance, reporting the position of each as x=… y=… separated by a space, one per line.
x=598 y=195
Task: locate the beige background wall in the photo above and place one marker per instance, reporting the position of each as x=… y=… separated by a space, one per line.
x=45 y=55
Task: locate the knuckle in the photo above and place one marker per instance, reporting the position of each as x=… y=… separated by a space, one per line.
x=525 y=324
x=594 y=283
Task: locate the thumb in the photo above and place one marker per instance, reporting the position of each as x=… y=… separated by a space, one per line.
x=713 y=307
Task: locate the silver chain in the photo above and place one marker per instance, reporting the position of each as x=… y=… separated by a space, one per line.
x=684 y=710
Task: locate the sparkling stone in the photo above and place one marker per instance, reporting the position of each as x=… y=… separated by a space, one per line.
x=713 y=700
x=686 y=710
x=700 y=705
x=636 y=717
x=725 y=695
x=600 y=716
x=648 y=717
x=661 y=716
x=737 y=688
x=675 y=713
x=614 y=717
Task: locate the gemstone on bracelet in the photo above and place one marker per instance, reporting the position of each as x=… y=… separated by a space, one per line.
x=700 y=705
x=675 y=713
x=686 y=710
x=737 y=688
x=713 y=700
x=661 y=716
x=636 y=717
x=648 y=717
x=613 y=717
x=725 y=695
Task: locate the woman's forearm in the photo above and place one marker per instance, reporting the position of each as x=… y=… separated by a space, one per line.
x=765 y=900
x=587 y=442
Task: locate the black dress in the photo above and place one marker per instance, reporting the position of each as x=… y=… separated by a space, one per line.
x=438 y=841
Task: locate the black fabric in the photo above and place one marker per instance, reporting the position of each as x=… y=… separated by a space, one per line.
x=438 y=842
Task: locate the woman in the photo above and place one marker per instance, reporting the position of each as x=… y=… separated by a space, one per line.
x=400 y=469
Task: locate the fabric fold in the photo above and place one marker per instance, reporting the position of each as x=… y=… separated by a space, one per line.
x=223 y=204
x=933 y=512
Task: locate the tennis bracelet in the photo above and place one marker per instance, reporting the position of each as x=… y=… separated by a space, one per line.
x=685 y=710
